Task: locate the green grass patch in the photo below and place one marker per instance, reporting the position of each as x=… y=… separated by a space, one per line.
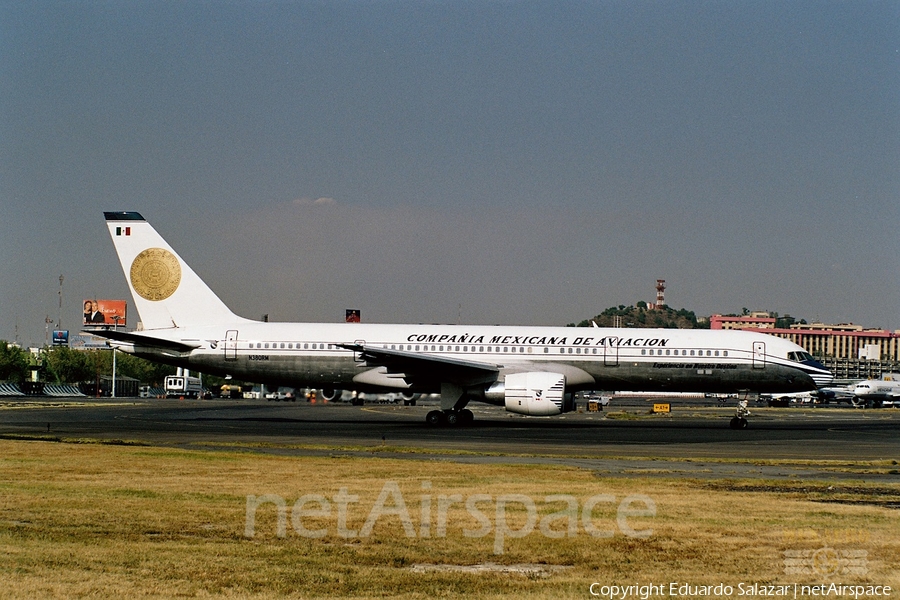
x=102 y=520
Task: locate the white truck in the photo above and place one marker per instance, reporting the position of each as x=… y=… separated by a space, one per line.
x=183 y=385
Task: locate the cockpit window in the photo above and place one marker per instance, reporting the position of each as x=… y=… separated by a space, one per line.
x=800 y=356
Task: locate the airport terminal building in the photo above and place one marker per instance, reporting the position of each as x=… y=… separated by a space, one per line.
x=850 y=350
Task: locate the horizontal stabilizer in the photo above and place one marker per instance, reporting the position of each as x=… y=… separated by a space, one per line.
x=143 y=340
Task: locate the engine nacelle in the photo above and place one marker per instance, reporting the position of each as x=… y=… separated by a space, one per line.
x=330 y=394
x=537 y=394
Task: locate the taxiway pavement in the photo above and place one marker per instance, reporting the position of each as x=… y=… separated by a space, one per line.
x=692 y=441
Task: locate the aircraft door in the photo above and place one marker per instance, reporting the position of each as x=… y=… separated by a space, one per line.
x=611 y=351
x=759 y=355
x=231 y=344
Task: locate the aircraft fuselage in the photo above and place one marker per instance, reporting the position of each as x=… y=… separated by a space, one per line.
x=591 y=358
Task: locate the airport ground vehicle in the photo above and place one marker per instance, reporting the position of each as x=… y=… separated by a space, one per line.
x=230 y=390
x=185 y=386
x=282 y=393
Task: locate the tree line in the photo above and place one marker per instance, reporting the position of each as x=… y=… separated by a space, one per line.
x=62 y=364
x=641 y=316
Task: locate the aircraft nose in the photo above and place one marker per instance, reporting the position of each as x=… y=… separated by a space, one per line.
x=824 y=380
x=822 y=376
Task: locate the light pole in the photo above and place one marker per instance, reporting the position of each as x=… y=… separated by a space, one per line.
x=59 y=320
x=112 y=394
x=47 y=322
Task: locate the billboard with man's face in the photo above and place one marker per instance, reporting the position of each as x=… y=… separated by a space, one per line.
x=104 y=312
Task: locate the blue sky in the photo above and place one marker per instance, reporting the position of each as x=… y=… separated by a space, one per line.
x=482 y=162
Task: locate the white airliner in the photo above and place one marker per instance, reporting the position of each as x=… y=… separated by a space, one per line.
x=529 y=370
x=877 y=392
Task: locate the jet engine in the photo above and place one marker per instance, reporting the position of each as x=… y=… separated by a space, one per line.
x=409 y=398
x=537 y=394
x=330 y=394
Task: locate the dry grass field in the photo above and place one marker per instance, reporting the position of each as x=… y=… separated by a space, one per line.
x=102 y=520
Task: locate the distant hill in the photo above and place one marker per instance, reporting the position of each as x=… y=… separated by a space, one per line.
x=641 y=316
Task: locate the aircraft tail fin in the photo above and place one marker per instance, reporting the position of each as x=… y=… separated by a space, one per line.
x=166 y=291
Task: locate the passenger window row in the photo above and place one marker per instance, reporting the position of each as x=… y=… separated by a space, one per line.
x=482 y=349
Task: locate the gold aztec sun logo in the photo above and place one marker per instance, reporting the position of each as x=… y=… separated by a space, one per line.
x=155 y=274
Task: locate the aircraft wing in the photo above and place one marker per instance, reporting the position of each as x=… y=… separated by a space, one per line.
x=417 y=368
x=144 y=340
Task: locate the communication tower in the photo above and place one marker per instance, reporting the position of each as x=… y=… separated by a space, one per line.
x=660 y=293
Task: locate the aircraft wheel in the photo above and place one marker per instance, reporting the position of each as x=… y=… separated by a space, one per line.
x=738 y=423
x=435 y=418
x=452 y=418
x=466 y=417
x=743 y=423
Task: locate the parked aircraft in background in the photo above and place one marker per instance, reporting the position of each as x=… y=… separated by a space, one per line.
x=529 y=370
x=878 y=392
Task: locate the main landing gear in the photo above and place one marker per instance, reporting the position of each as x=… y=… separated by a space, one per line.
x=453 y=411
x=739 y=421
x=451 y=417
